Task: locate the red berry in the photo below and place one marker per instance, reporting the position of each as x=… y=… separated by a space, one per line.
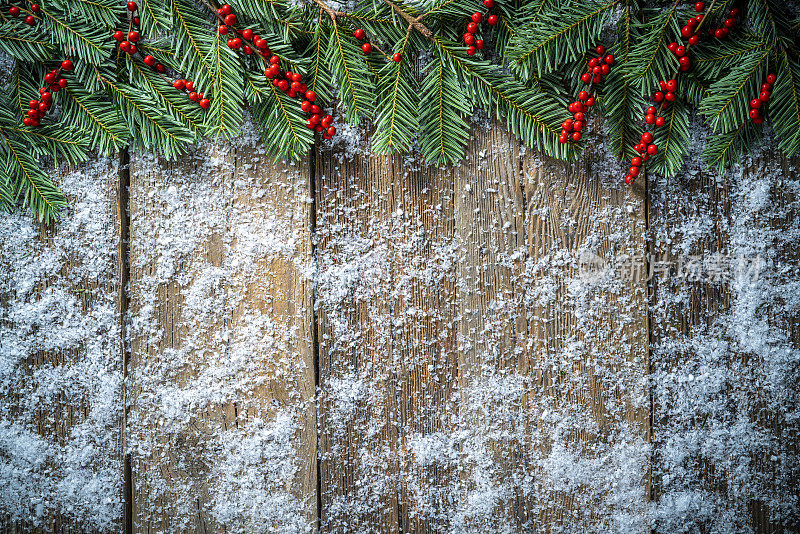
x=686 y=32
x=651 y=110
x=471 y=50
x=35 y=8
x=597 y=70
x=647 y=137
x=698 y=18
x=699 y=6
x=132 y=49
x=583 y=95
x=492 y=20
x=305 y=105
x=311 y=96
x=756 y=103
x=593 y=62
x=578 y=125
x=133 y=36
x=479 y=44
x=672 y=47
x=223 y=30
x=636 y=162
x=692 y=23
x=315 y=109
x=275 y=60
x=771 y=78
x=628 y=179
x=235 y=43
x=609 y=59
x=205 y=103
x=132 y=6
x=360 y=35
x=469 y=39
x=680 y=51
x=566 y=125
x=193 y=96
x=576 y=136
x=42 y=107
x=247 y=49
x=314 y=119
x=693 y=40
x=590 y=101
x=125 y=46
x=136 y=21
x=367 y=48
x=180 y=85
x=397 y=57
x=27 y=121
x=586 y=77
x=652 y=150
x=670 y=96
x=719 y=33
x=283 y=85
x=230 y=20
x=764 y=96
x=660 y=121
x=754 y=114
x=119 y=36
x=729 y=23
x=579 y=116
x=472 y=27
x=295 y=86
x=247 y=34
x=604 y=69
x=326 y=121
x=33 y=104
x=149 y=61
x=672 y=85
x=190 y=86
x=734 y=13
x=331 y=131
x=633 y=171
x=30 y=21
x=766 y=86
x=160 y=68
x=563 y=138
x=685 y=62
x=758 y=120
x=488 y=3
x=13 y=11
x=650 y=118
x=226 y=9
x=477 y=18
x=658 y=96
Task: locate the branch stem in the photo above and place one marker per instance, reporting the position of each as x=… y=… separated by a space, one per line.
x=412 y=22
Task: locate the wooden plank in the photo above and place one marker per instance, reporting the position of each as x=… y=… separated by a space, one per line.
x=490 y=236
x=358 y=401
x=724 y=434
x=61 y=369
x=222 y=371
x=587 y=346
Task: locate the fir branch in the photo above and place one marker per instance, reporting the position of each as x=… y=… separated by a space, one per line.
x=712 y=59
x=43 y=198
x=177 y=104
x=672 y=140
x=398 y=106
x=191 y=37
x=724 y=149
x=227 y=93
x=282 y=127
x=320 y=78
x=558 y=36
x=89 y=41
x=728 y=104
x=784 y=104
x=445 y=131
x=95 y=117
x=622 y=106
x=650 y=60
x=156 y=19
x=102 y=12
x=25 y=43
x=348 y=66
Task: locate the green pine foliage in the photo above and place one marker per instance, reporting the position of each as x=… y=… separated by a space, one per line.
x=419 y=101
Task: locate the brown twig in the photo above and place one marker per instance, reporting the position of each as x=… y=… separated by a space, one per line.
x=412 y=22
x=327 y=9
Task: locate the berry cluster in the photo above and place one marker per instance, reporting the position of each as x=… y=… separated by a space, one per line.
x=194 y=95
x=367 y=48
x=53 y=84
x=645 y=147
x=30 y=20
x=316 y=121
x=730 y=22
x=597 y=68
x=473 y=42
x=756 y=113
x=245 y=40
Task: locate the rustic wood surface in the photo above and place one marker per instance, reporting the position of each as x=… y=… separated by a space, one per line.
x=368 y=344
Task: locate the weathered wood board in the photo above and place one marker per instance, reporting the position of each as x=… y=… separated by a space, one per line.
x=222 y=419
x=60 y=348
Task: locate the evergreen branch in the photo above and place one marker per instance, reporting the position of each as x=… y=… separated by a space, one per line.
x=713 y=59
x=88 y=41
x=650 y=60
x=282 y=127
x=412 y=22
x=227 y=94
x=622 y=106
x=43 y=198
x=672 y=140
x=396 y=122
x=558 y=36
x=729 y=102
x=191 y=34
x=347 y=63
x=784 y=104
x=177 y=104
x=724 y=149
x=96 y=119
x=26 y=44
x=155 y=19
x=97 y=11
x=320 y=77
x=445 y=131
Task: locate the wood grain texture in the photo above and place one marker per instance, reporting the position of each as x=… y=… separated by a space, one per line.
x=62 y=401
x=587 y=346
x=222 y=419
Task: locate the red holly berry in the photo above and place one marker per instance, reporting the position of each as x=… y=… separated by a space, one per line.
x=672 y=47
x=160 y=68
x=472 y=27
x=235 y=43
x=13 y=11
x=754 y=114
x=331 y=131
x=469 y=39
x=477 y=18
x=67 y=65
x=133 y=36
x=27 y=121
x=734 y=13
x=149 y=61
x=576 y=136
x=583 y=95
x=636 y=162
x=230 y=20
x=360 y=35
x=647 y=138
x=492 y=19
x=771 y=78
x=600 y=50
x=685 y=63
x=650 y=118
x=729 y=23
x=315 y=109
x=479 y=44
x=222 y=29
x=33 y=104
x=247 y=49
x=62 y=83
x=699 y=6
x=305 y=105
x=311 y=96
x=136 y=21
x=314 y=119
x=190 y=86
x=193 y=96
x=609 y=59
x=367 y=48
x=397 y=57
x=658 y=96
x=488 y=3
x=693 y=40
x=125 y=46
x=35 y=8
x=671 y=85
x=119 y=36
x=275 y=60
x=593 y=62
x=670 y=96
x=686 y=31
x=566 y=125
x=680 y=51
x=471 y=50
x=226 y=9
x=578 y=125
x=586 y=77
x=719 y=33
x=590 y=101
x=180 y=85
x=326 y=121
x=30 y=21
x=132 y=6
x=764 y=96
x=660 y=121
x=652 y=150
x=633 y=171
